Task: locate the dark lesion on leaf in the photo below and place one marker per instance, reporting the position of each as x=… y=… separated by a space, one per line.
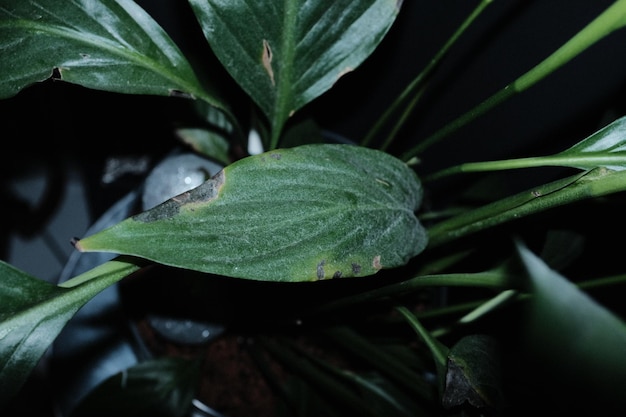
x=180 y=94
x=320 y=270
x=205 y=192
x=56 y=74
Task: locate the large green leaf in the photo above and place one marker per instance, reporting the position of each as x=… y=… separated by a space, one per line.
x=573 y=335
x=33 y=312
x=299 y=214
x=111 y=45
x=286 y=53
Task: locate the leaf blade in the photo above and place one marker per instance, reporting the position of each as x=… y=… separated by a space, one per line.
x=108 y=45
x=34 y=312
x=299 y=214
x=285 y=54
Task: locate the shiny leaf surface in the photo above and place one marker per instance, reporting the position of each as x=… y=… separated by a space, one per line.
x=108 y=45
x=286 y=53
x=33 y=312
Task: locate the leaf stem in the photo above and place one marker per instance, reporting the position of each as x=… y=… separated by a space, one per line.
x=590 y=184
x=417 y=85
x=613 y=18
x=587 y=160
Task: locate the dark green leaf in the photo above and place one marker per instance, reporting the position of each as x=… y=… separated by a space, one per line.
x=307 y=213
x=574 y=336
x=158 y=388
x=110 y=45
x=286 y=53
x=32 y=314
x=473 y=374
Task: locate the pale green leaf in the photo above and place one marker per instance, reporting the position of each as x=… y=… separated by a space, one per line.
x=306 y=213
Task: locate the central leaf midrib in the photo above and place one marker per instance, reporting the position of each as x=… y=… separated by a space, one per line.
x=284 y=90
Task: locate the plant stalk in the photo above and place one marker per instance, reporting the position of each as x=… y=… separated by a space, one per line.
x=612 y=19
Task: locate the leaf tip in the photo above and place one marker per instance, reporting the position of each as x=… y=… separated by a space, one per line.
x=75 y=242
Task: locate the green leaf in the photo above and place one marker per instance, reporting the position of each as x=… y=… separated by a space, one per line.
x=110 y=45
x=573 y=336
x=165 y=387
x=590 y=184
x=474 y=374
x=206 y=142
x=307 y=213
x=286 y=53
x=606 y=147
x=33 y=312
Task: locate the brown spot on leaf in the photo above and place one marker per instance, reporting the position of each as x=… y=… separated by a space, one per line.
x=356 y=269
x=376 y=262
x=337 y=274
x=75 y=242
x=266 y=59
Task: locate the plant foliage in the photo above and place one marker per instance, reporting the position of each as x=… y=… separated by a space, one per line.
x=308 y=211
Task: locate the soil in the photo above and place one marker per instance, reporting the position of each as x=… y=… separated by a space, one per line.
x=231 y=381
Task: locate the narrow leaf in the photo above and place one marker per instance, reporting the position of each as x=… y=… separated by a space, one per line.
x=286 y=53
x=34 y=312
x=595 y=183
x=611 y=19
x=307 y=213
x=111 y=45
x=605 y=148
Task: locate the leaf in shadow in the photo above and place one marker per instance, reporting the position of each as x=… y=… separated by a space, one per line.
x=473 y=374
x=162 y=387
x=579 y=344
